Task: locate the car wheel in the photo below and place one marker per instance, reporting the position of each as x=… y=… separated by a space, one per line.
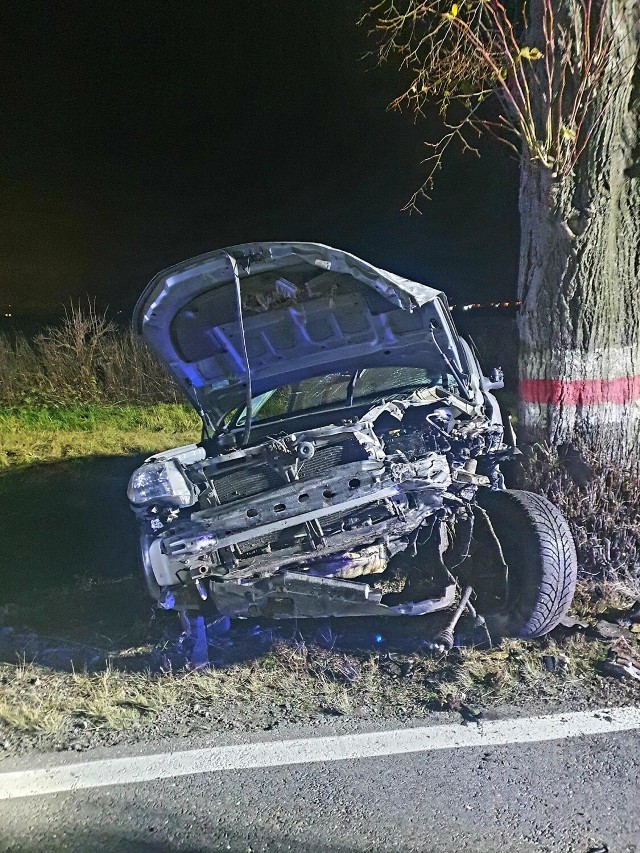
x=540 y=554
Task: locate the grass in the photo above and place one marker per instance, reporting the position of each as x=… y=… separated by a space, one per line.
x=39 y=701
x=293 y=681
x=160 y=417
x=517 y=669
x=34 y=699
x=48 y=433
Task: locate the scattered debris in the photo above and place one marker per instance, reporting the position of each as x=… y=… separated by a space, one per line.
x=468 y=714
x=572 y=624
x=622 y=661
x=610 y=631
x=557 y=662
x=220 y=642
x=628 y=618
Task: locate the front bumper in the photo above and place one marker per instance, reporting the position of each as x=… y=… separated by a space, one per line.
x=302 y=522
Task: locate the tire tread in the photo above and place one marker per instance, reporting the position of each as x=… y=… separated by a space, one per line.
x=555 y=560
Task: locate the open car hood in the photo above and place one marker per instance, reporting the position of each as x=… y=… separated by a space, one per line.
x=307 y=310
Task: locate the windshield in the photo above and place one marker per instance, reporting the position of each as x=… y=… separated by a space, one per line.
x=334 y=389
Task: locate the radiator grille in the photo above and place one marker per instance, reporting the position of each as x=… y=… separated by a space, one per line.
x=246 y=482
x=326 y=458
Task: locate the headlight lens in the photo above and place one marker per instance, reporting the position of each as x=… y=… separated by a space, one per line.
x=161 y=482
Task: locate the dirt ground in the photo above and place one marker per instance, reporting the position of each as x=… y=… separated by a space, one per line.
x=93 y=664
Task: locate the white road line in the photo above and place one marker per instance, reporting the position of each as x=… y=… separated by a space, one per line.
x=165 y=765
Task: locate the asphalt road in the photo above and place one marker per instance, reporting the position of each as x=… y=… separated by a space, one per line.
x=576 y=794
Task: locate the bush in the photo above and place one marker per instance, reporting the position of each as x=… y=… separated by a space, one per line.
x=601 y=501
x=85 y=359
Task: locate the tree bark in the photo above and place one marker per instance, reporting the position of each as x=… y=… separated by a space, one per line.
x=579 y=283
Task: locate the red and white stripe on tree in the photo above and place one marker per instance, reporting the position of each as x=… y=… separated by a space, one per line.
x=593 y=395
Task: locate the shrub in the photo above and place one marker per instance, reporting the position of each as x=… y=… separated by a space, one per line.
x=601 y=501
x=84 y=359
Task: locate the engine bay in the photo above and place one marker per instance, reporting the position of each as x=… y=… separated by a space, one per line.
x=336 y=503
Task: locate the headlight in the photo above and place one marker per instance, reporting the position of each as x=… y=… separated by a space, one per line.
x=161 y=482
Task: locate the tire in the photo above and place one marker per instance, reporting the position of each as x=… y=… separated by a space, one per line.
x=541 y=555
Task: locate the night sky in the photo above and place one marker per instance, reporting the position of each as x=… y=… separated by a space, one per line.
x=137 y=134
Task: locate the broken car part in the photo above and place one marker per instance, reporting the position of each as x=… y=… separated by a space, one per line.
x=446 y=636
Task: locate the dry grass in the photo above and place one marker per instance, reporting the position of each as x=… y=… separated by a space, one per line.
x=33 y=699
x=293 y=681
x=601 y=501
x=85 y=358
x=592 y=600
x=517 y=670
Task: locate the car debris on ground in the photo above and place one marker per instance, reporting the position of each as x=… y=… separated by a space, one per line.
x=622 y=661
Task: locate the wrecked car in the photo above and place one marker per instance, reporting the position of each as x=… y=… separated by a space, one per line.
x=350 y=456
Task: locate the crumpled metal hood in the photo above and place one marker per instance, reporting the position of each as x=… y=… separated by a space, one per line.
x=308 y=309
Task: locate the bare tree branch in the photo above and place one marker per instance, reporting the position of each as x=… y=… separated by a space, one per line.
x=468 y=53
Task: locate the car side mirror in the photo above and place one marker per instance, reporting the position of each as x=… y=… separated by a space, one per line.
x=495 y=380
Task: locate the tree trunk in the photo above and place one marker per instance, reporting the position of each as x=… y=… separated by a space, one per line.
x=579 y=283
